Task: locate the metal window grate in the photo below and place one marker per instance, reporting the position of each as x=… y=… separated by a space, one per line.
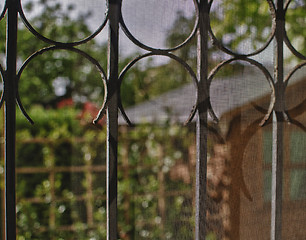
x=112 y=81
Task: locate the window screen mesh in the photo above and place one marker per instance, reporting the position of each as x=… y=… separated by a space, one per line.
x=61 y=170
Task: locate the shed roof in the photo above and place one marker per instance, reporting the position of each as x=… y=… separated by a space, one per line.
x=226 y=94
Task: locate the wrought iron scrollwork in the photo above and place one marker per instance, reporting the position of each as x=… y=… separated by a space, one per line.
x=246 y=57
x=168 y=52
x=261 y=68
x=55 y=45
x=286 y=39
x=114 y=17
x=223 y=48
x=52 y=48
x=154 y=53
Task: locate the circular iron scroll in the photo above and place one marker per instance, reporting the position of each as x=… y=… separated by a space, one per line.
x=54 y=42
x=261 y=68
x=166 y=54
x=160 y=52
x=286 y=39
x=291 y=73
x=223 y=48
x=148 y=48
x=52 y=48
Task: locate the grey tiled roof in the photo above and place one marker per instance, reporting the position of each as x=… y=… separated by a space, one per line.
x=226 y=94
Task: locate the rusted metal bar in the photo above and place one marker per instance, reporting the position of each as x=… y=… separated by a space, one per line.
x=112 y=119
x=201 y=135
x=277 y=129
x=10 y=120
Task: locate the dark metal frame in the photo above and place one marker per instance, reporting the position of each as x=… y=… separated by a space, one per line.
x=112 y=101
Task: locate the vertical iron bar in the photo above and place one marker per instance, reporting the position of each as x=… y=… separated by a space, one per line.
x=201 y=136
x=277 y=129
x=112 y=119
x=10 y=120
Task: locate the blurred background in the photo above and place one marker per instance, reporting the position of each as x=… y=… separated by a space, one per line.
x=61 y=159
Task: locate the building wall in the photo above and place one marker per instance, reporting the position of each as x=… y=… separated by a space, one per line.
x=250 y=170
